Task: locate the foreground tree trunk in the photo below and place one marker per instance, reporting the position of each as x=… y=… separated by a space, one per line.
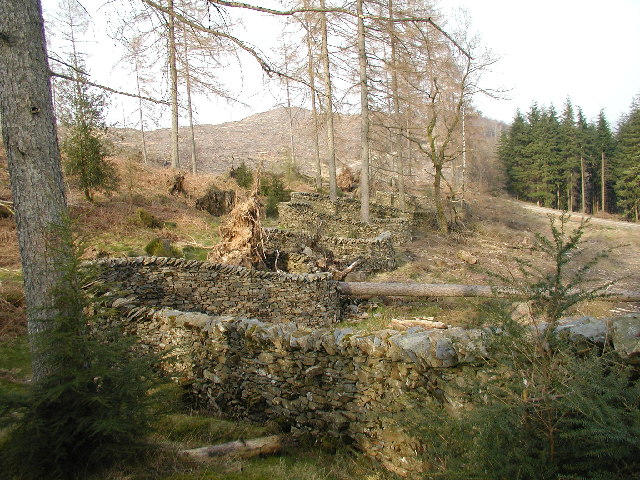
x=29 y=134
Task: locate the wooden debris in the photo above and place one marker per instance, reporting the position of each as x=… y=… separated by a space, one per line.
x=340 y=274
x=467 y=257
x=239 y=449
x=426 y=323
x=177 y=185
x=242 y=235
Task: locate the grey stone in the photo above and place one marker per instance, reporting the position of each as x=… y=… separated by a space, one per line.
x=625 y=333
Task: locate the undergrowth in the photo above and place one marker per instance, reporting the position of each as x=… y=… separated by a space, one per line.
x=542 y=409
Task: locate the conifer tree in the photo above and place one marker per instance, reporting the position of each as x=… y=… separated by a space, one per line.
x=81 y=113
x=570 y=155
x=605 y=147
x=627 y=169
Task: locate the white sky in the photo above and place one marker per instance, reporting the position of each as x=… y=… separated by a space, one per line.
x=548 y=50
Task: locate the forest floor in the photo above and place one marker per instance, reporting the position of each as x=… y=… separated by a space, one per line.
x=494 y=235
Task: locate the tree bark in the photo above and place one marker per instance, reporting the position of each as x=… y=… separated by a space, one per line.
x=364 y=118
x=583 y=183
x=443 y=225
x=187 y=77
x=29 y=134
x=173 y=74
x=328 y=100
x=398 y=135
x=142 y=132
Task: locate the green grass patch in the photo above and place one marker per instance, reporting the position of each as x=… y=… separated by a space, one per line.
x=196 y=430
x=11 y=276
x=195 y=253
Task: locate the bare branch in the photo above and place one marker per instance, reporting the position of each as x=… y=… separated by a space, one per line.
x=84 y=81
x=295 y=11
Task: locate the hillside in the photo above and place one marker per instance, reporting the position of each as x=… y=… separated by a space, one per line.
x=494 y=234
x=263 y=137
x=496 y=231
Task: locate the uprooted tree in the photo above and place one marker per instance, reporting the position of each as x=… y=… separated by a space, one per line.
x=241 y=234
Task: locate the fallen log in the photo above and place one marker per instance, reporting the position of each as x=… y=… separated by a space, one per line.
x=397 y=289
x=239 y=448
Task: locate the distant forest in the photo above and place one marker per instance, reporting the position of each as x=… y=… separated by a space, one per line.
x=568 y=162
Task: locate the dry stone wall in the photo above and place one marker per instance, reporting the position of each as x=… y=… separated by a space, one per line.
x=419 y=211
x=361 y=387
x=375 y=254
x=328 y=382
x=302 y=216
x=194 y=286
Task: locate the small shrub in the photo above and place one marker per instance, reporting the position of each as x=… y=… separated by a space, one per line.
x=242 y=175
x=146 y=220
x=92 y=407
x=272 y=187
x=161 y=247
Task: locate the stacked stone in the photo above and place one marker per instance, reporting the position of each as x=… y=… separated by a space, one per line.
x=375 y=254
x=194 y=286
x=326 y=382
x=363 y=386
x=419 y=211
x=302 y=216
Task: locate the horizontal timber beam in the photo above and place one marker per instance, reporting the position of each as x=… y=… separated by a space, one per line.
x=397 y=289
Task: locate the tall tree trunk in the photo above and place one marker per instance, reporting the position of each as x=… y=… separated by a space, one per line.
x=464 y=156
x=397 y=146
x=192 y=134
x=364 y=119
x=29 y=134
x=583 y=183
x=292 y=145
x=142 y=132
x=314 y=108
x=328 y=100
x=603 y=183
x=443 y=226
x=173 y=74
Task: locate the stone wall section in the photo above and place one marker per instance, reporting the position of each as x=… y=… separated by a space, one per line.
x=303 y=216
x=194 y=286
x=363 y=387
x=419 y=210
x=327 y=382
x=375 y=254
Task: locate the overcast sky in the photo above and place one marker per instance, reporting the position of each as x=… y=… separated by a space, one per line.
x=548 y=50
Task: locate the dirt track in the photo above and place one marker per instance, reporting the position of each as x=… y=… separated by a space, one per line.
x=576 y=216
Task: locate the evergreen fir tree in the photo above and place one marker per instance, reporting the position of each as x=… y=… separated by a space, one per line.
x=81 y=113
x=627 y=169
x=511 y=152
x=93 y=407
x=570 y=156
x=604 y=147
